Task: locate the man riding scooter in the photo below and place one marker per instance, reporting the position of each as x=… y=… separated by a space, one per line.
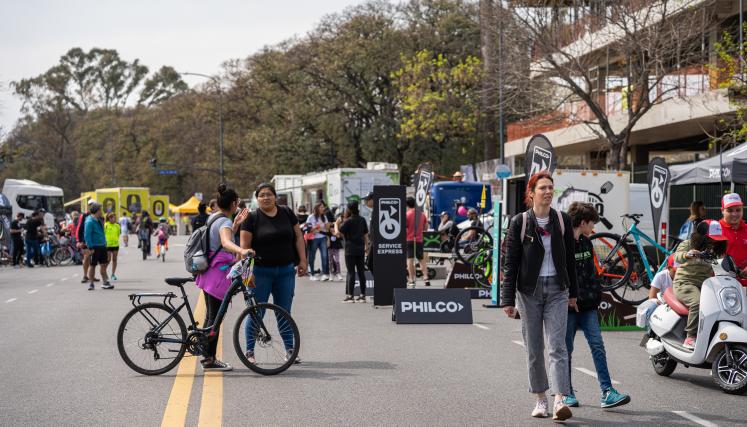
x=735 y=230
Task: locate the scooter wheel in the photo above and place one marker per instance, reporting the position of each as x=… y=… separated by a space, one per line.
x=663 y=364
x=731 y=379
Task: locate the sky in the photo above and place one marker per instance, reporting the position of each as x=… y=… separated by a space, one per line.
x=191 y=36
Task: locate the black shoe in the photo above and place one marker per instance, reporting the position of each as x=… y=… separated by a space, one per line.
x=427 y=283
x=91 y=287
x=361 y=298
x=216 y=365
x=96 y=280
x=84 y=280
x=348 y=298
x=107 y=285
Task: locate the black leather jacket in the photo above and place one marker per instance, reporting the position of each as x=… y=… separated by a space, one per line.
x=523 y=260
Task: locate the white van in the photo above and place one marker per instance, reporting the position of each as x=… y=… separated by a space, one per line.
x=26 y=196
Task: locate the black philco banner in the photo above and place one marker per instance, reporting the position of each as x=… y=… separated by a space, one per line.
x=539 y=156
x=658 y=182
x=432 y=306
x=388 y=228
x=460 y=276
x=423 y=180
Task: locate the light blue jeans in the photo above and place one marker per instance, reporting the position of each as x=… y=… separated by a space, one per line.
x=280 y=282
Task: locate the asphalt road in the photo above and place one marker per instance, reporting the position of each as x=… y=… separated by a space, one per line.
x=60 y=366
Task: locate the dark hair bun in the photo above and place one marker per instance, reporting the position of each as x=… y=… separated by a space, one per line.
x=222 y=188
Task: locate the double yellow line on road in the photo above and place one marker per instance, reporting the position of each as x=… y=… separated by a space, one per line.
x=211 y=405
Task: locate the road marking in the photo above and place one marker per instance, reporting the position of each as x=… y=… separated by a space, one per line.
x=592 y=373
x=211 y=406
x=63 y=279
x=11 y=300
x=33 y=291
x=481 y=326
x=518 y=343
x=49 y=285
x=693 y=418
x=178 y=404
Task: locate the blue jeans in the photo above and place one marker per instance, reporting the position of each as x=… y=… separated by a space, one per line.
x=33 y=250
x=320 y=244
x=588 y=322
x=281 y=283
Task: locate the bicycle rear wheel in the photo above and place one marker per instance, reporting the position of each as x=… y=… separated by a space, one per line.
x=614 y=268
x=482 y=269
x=635 y=290
x=63 y=256
x=141 y=346
x=274 y=338
x=467 y=250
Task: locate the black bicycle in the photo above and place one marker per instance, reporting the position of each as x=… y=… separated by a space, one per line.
x=153 y=338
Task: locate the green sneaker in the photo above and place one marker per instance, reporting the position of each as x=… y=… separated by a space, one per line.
x=612 y=398
x=571 y=400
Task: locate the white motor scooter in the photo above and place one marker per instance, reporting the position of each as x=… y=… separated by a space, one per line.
x=721 y=344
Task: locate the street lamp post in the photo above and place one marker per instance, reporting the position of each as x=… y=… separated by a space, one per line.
x=220 y=112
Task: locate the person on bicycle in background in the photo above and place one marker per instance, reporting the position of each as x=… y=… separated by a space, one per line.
x=162 y=234
x=663 y=279
x=222 y=254
x=474 y=221
x=735 y=229
x=693 y=271
x=112 y=230
x=96 y=243
x=585 y=316
x=144 y=231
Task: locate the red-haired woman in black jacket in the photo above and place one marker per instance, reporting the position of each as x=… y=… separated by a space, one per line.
x=540 y=265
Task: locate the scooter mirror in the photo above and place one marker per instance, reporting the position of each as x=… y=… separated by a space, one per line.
x=729 y=265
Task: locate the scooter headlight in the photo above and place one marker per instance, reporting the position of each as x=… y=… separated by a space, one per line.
x=730 y=301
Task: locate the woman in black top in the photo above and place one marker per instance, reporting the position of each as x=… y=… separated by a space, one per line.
x=273 y=232
x=355 y=232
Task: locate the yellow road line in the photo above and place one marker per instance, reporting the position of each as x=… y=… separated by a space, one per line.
x=176 y=409
x=211 y=406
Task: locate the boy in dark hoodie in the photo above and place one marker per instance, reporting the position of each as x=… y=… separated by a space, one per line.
x=583 y=217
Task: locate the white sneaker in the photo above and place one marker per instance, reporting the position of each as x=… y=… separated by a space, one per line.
x=313 y=278
x=325 y=277
x=338 y=278
x=561 y=411
x=411 y=285
x=540 y=409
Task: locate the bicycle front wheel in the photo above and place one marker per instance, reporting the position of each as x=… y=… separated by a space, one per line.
x=482 y=271
x=612 y=259
x=141 y=336
x=268 y=333
x=467 y=247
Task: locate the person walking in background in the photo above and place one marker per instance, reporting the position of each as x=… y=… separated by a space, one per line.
x=112 y=231
x=539 y=279
x=335 y=244
x=213 y=282
x=697 y=214
x=585 y=316
x=96 y=242
x=302 y=214
x=273 y=232
x=318 y=225
x=367 y=213
x=124 y=228
x=200 y=219
x=33 y=247
x=415 y=244
x=16 y=240
x=354 y=229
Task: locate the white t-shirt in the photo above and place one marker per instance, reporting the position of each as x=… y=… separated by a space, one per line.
x=548 y=265
x=662 y=280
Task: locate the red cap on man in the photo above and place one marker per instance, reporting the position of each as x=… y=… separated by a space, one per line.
x=731 y=199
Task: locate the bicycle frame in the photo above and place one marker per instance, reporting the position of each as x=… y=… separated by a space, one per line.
x=638 y=235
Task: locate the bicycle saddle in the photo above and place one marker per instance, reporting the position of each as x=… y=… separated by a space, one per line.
x=179 y=281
